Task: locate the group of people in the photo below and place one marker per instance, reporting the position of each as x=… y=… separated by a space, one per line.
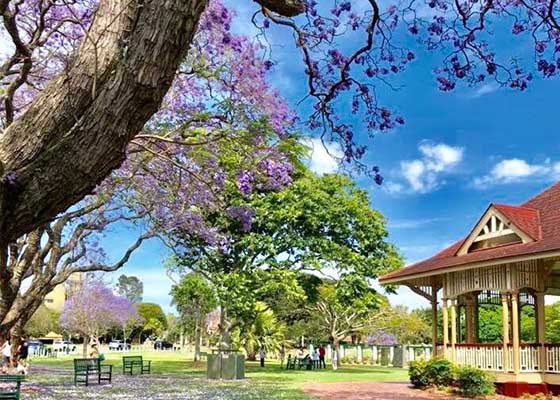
x=315 y=357
x=21 y=353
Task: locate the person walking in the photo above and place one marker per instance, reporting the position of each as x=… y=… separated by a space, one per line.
x=262 y=355
x=322 y=353
x=23 y=352
x=6 y=356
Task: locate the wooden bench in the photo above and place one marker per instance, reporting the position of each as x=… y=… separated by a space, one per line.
x=129 y=362
x=13 y=392
x=84 y=368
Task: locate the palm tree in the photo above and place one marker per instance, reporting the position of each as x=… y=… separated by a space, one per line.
x=263 y=331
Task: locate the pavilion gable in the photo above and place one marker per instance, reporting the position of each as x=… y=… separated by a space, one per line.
x=500 y=226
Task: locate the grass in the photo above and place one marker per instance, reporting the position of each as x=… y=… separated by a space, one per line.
x=175 y=377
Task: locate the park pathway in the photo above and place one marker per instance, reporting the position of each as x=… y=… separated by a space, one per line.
x=370 y=391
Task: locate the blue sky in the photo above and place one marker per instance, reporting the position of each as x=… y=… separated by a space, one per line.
x=456 y=153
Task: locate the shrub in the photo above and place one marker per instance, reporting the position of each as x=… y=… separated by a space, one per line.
x=436 y=372
x=351 y=359
x=473 y=382
x=417 y=373
x=348 y=360
x=439 y=372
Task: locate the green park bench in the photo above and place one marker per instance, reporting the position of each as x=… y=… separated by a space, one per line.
x=129 y=362
x=13 y=392
x=84 y=368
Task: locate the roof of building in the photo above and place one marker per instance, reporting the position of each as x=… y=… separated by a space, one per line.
x=538 y=219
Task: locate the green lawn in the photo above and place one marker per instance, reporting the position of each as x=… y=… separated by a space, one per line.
x=172 y=373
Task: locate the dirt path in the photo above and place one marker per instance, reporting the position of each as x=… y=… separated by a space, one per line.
x=369 y=391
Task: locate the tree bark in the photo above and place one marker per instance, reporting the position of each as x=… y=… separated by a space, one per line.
x=15 y=341
x=76 y=131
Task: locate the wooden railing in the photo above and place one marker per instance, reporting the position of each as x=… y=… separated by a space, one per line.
x=529 y=357
x=552 y=358
x=488 y=357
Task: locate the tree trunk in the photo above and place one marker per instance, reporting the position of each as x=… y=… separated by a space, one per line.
x=16 y=335
x=84 y=348
x=197 y=339
x=224 y=329
x=335 y=360
x=76 y=131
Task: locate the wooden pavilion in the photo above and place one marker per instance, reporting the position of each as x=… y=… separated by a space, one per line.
x=511 y=258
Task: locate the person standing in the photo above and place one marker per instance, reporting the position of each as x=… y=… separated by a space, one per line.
x=6 y=356
x=94 y=353
x=262 y=355
x=322 y=353
x=315 y=359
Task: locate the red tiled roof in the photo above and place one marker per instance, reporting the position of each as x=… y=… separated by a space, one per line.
x=525 y=218
x=539 y=218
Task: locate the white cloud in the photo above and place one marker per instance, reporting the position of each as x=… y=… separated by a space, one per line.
x=424 y=174
x=325 y=157
x=393 y=187
x=517 y=170
x=485 y=89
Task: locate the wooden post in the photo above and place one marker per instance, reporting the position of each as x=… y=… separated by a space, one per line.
x=476 y=319
x=515 y=331
x=434 y=324
x=505 y=332
x=445 y=328
x=453 y=329
x=469 y=319
x=539 y=302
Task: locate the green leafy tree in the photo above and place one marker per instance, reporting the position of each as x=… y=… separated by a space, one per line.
x=347 y=308
x=154 y=320
x=297 y=312
x=131 y=288
x=407 y=327
x=316 y=225
x=425 y=314
x=43 y=321
x=194 y=298
x=552 y=322
x=174 y=328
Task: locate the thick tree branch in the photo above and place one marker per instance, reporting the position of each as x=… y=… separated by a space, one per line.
x=286 y=8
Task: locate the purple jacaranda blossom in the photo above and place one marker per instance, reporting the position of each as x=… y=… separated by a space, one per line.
x=93 y=308
x=381 y=338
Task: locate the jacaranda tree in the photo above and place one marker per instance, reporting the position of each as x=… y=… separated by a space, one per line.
x=93 y=309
